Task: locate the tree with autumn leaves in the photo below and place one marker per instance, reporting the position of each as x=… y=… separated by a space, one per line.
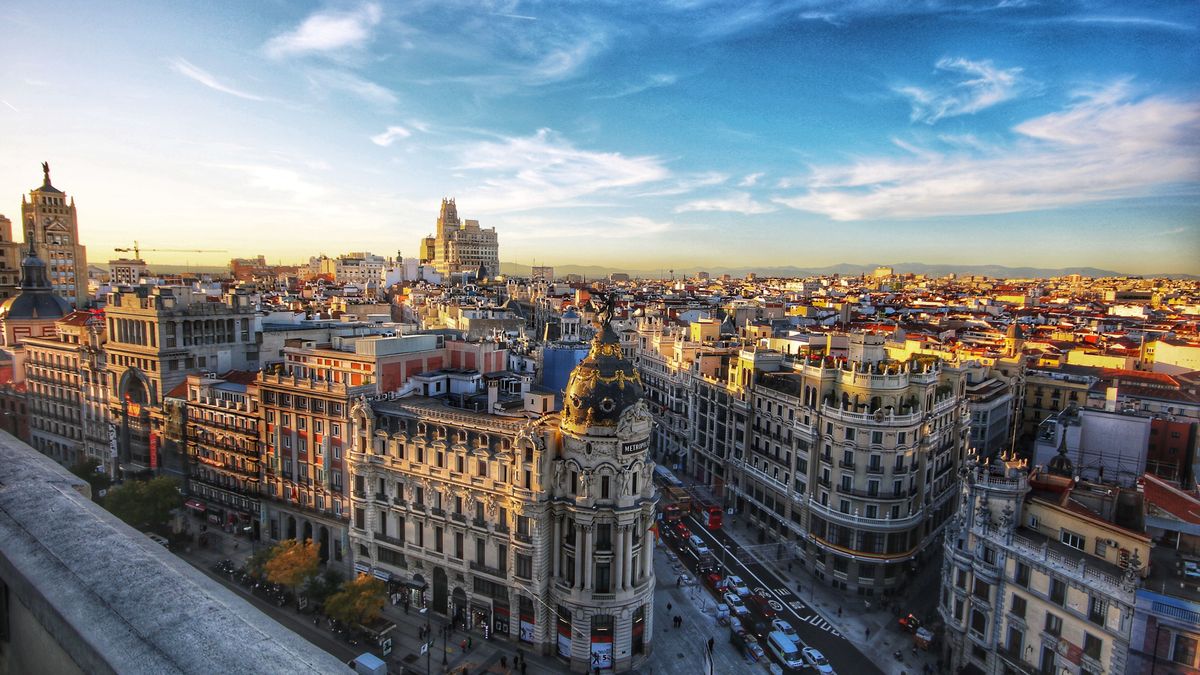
x=292 y=563
x=359 y=601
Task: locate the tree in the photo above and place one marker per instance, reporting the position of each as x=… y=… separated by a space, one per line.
x=320 y=587
x=359 y=601
x=292 y=563
x=86 y=469
x=256 y=564
x=145 y=503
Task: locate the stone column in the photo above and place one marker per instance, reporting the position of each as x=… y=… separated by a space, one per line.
x=627 y=566
x=579 y=544
x=556 y=546
x=617 y=577
x=591 y=547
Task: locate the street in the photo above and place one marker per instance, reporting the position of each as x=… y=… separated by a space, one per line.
x=813 y=630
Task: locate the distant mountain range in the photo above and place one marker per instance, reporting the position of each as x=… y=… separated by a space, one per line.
x=844 y=269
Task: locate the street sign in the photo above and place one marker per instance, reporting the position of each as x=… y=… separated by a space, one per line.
x=386 y=646
x=424 y=647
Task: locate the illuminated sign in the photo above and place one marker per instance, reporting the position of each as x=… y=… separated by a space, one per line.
x=636 y=446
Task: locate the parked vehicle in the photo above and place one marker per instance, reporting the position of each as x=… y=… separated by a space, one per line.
x=368 y=664
x=817 y=661
x=784 y=650
x=910 y=623
x=736 y=606
x=737 y=585
x=781 y=626
x=747 y=644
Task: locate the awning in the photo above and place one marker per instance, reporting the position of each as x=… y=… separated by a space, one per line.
x=382 y=575
x=362 y=567
x=413 y=583
x=195 y=504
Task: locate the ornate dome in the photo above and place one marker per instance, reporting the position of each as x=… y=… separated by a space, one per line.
x=602 y=387
x=37 y=299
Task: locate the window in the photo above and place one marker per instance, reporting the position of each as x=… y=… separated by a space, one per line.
x=1018 y=606
x=479 y=550
x=604 y=487
x=901 y=437
x=1184 y=650
x=437 y=539
x=1101 y=547
x=458 y=545
x=524 y=564
x=958 y=610
x=1022 y=575
x=849 y=433
x=1097 y=610
x=876 y=437
x=978 y=622
x=1033 y=522
x=983 y=590
x=1058 y=592
x=1092 y=645
x=1071 y=539
x=1053 y=624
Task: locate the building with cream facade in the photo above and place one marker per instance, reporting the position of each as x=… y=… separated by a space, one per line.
x=461 y=246
x=51 y=228
x=536 y=525
x=1040 y=571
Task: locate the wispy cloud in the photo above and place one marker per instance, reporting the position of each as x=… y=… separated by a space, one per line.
x=1127 y=21
x=522 y=17
x=14 y=108
x=686 y=183
x=1173 y=231
x=736 y=202
x=750 y=179
x=618 y=227
x=545 y=169
x=980 y=85
x=652 y=82
x=191 y=71
x=390 y=135
x=1107 y=145
x=327 y=31
x=324 y=79
x=281 y=180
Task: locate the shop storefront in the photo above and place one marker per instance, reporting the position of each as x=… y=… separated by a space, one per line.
x=602 y=642
x=528 y=619
x=563 y=630
x=500 y=618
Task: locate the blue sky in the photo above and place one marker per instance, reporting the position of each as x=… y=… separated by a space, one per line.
x=648 y=135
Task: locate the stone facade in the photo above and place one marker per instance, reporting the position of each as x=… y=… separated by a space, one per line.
x=52 y=227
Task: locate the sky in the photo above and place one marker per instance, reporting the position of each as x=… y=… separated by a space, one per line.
x=644 y=135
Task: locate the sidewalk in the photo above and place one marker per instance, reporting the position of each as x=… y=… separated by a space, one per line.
x=874 y=630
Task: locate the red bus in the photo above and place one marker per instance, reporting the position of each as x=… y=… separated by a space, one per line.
x=710 y=516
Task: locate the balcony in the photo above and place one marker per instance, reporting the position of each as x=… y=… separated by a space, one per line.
x=459 y=517
x=437 y=513
x=875 y=469
x=358 y=494
x=381 y=497
x=399 y=501
x=494 y=571
x=886 y=523
x=388 y=539
x=846 y=465
x=523 y=538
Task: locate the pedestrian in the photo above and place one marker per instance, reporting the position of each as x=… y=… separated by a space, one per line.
x=522 y=666
x=868 y=633
x=468 y=642
x=678 y=581
x=668 y=606
x=503 y=661
x=839 y=611
x=710 y=645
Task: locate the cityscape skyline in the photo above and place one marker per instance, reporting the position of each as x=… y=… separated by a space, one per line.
x=703 y=134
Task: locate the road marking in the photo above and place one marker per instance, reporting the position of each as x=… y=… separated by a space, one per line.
x=826 y=627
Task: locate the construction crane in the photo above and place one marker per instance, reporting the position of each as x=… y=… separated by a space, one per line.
x=137 y=250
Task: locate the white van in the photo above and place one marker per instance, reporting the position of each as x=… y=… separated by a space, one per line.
x=785 y=650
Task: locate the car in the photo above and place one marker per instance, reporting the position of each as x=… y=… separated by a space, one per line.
x=781 y=626
x=747 y=644
x=760 y=606
x=680 y=530
x=707 y=564
x=698 y=546
x=910 y=623
x=817 y=661
x=712 y=581
x=736 y=606
x=737 y=585
x=785 y=651
x=158 y=539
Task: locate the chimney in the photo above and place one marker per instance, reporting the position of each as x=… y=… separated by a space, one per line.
x=526 y=382
x=1110 y=397
x=493 y=387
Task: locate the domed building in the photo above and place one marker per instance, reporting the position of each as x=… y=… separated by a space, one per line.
x=35 y=309
x=604 y=503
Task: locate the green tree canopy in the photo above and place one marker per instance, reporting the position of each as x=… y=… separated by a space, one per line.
x=145 y=503
x=86 y=469
x=359 y=601
x=320 y=587
x=292 y=563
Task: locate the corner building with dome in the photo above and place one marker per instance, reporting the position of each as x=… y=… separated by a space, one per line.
x=534 y=524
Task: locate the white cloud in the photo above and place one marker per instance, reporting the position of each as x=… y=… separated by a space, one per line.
x=736 y=202
x=517 y=173
x=390 y=135
x=1107 y=145
x=187 y=69
x=327 y=31
x=343 y=81
x=652 y=82
x=984 y=86
x=687 y=183
x=621 y=227
x=750 y=179
x=281 y=180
